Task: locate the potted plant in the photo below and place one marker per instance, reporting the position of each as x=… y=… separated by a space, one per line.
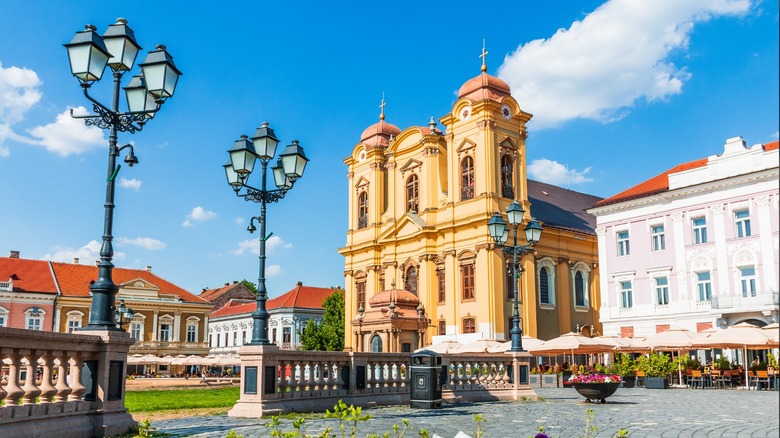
x=657 y=368
x=595 y=387
x=624 y=366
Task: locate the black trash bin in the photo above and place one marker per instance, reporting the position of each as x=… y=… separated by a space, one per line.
x=426 y=378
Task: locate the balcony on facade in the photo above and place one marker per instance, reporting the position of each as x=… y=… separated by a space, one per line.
x=738 y=303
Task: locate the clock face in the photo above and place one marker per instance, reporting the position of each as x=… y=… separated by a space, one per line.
x=506 y=112
x=465 y=113
x=362 y=156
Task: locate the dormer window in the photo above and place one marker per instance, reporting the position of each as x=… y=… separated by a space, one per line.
x=467 y=179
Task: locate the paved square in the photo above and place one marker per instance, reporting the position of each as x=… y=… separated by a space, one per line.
x=643 y=412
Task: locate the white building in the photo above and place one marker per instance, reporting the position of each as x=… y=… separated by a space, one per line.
x=231 y=326
x=695 y=247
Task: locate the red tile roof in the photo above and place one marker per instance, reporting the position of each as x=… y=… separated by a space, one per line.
x=301 y=297
x=660 y=183
x=211 y=294
x=74 y=280
x=29 y=275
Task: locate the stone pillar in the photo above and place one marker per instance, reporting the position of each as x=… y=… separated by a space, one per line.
x=154 y=326
x=262 y=358
x=176 y=327
x=768 y=266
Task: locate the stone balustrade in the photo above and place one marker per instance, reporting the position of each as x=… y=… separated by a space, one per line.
x=275 y=381
x=63 y=384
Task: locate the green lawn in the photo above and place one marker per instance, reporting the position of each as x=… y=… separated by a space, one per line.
x=173 y=399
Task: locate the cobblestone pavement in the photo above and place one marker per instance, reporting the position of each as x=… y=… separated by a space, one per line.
x=642 y=412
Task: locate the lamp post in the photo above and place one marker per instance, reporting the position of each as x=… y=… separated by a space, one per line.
x=500 y=233
x=89 y=53
x=288 y=169
x=123 y=314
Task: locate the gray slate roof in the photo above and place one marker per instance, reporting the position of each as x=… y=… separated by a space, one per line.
x=562 y=208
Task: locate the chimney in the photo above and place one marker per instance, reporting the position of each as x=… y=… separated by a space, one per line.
x=148 y=268
x=14 y=255
x=75 y=260
x=300 y=283
x=227 y=284
x=235 y=282
x=204 y=290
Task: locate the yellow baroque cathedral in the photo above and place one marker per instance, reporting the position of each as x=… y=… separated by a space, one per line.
x=420 y=265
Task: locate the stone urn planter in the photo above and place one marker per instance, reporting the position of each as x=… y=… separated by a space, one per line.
x=596 y=392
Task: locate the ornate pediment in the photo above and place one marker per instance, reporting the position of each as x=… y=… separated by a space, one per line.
x=410 y=165
x=407 y=226
x=466 y=145
x=362 y=183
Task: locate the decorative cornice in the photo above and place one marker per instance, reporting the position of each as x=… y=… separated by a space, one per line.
x=449 y=253
x=350 y=175
x=677 y=216
x=393 y=264
x=717 y=209
x=762 y=201
x=347 y=273
x=601 y=231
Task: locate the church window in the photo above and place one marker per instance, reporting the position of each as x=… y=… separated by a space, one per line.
x=442 y=327
x=362 y=210
x=360 y=287
x=442 y=282
x=376 y=344
x=544 y=286
x=412 y=194
x=467 y=179
x=579 y=289
x=469 y=325
x=467 y=281
x=507 y=171
x=410 y=282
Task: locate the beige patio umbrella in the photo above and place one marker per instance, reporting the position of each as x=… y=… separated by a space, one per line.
x=444 y=347
x=772 y=331
x=671 y=339
x=478 y=346
x=570 y=343
x=529 y=342
x=742 y=335
x=147 y=359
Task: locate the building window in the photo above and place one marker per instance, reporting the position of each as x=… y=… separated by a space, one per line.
x=661 y=291
x=467 y=179
x=704 y=285
x=622 y=241
x=376 y=344
x=659 y=239
x=699 y=230
x=442 y=327
x=467 y=281
x=73 y=325
x=363 y=210
x=410 y=280
x=286 y=336
x=544 y=286
x=34 y=319
x=235 y=339
x=192 y=332
x=748 y=281
x=165 y=332
x=3 y=318
x=243 y=337
x=211 y=339
x=442 y=283
x=469 y=325
x=406 y=347
x=360 y=288
x=626 y=295
x=742 y=220
x=273 y=335
x=137 y=329
x=579 y=290
x=507 y=171
x=226 y=340
x=412 y=194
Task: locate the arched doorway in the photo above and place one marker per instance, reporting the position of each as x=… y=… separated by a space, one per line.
x=376 y=344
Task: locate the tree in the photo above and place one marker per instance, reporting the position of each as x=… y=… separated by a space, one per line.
x=327 y=335
x=249 y=285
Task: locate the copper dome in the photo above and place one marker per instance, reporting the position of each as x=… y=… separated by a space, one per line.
x=379 y=134
x=484 y=87
x=397 y=296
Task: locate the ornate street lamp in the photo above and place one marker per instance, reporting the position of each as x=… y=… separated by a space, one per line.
x=289 y=168
x=89 y=54
x=500 y=234
x=123 y=314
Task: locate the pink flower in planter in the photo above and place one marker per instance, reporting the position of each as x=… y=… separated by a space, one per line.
x=594 y=378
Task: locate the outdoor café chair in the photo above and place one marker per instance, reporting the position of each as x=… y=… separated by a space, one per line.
x=640 y=378
x=696 y=379
x=719 y=378
x=762 y=377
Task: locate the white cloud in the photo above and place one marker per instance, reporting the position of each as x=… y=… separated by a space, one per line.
x=239 y=220
x=552 y=172
x=198 y=214
x=18 y=93
x=133 y=183
x=601 y=66
x=775 y=136
x=273 y=270
x=252 y=246
x=67 y=135
x=142 y=242
x=87 y=254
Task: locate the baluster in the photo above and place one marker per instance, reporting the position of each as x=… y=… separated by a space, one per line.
x=492 y=371
x=380 y=375
x=396 y=375
x=295 y=376
x=300 y=381
x=476 y=371
x=506 y=377
x=31 y=391
x=78 y=389
x=283 y=384
x=327 y=375
x=320 y=375
x=62 y=386
x=370 y=375
x=13 y=391
x=310 y=381
x=47 y=390
x=339 y=380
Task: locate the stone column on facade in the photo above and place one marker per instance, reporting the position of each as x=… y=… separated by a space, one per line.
x=350 y=296
x=678 y=230
x=176 y=326
x=767 y=244
x=605 y=306
x=154 y=326
x=527 y=291
x=57 y=313
x=564 y=295
x=204 y=341
x=721 y=253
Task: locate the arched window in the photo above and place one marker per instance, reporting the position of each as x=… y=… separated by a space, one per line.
x=376 y=344
x=412 y=194
x=362 y=210
x=410 y=282
x=507 y=171
x=545 y=272
x=544 y=286
x=579 y=290
x=467 y=179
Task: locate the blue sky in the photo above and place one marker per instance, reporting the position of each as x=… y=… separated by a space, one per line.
x=620 y=91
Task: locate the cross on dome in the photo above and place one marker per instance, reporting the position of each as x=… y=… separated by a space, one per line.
x=382 y=107
x=483 y=56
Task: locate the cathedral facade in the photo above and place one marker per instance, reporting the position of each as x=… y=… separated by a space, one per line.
x=420 y=265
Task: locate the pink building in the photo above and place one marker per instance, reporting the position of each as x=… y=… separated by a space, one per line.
x=694 y=247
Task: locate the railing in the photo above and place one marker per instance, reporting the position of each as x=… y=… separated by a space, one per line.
x=275 y=381
x=63 y=384
x=738 y=302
